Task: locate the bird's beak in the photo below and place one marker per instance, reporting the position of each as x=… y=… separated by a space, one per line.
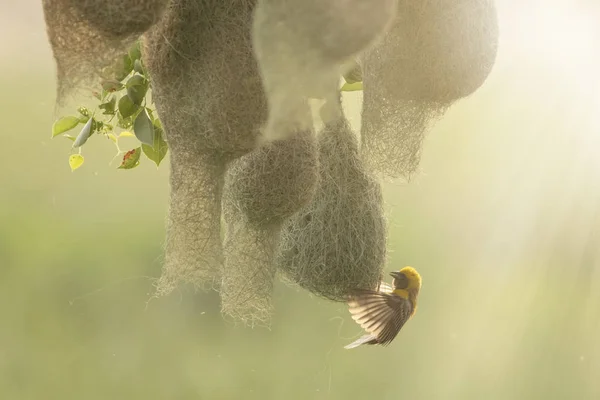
x=396 y=275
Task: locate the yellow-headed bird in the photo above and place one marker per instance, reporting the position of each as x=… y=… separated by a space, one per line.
x=384 y=311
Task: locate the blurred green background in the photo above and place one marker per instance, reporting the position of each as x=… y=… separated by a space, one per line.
x=502 y=223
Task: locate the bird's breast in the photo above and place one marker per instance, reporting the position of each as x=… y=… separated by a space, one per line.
x=401 y=292
x=408 y=295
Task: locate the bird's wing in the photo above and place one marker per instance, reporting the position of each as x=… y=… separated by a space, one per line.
x=380 y=314
x=385 y=287
x=366 y=339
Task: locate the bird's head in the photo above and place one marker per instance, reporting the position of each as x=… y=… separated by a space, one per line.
x=407 y=278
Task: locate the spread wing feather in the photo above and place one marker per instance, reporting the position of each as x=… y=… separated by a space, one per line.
x=385 y=287
x=380 y=314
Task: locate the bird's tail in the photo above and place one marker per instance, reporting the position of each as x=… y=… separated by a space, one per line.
x=366 y=339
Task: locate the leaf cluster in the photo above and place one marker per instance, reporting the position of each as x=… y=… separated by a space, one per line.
x=124 y=106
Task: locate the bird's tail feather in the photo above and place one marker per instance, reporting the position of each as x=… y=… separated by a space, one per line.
x=366 y=339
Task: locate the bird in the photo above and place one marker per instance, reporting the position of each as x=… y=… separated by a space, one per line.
x=384 y=311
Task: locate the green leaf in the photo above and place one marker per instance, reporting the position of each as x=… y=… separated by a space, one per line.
x=71 y=138
x=135 y=52
x=137 y=86
x=109 y=106
x=354 y=75
x=127 y=107
x=151 y=115
x=75 y=161
x=64 y=124
x=143 y=128
x=131 y=159
x=352 y=87
x=159 y=150
x=85 y=133
x=123 y=67
x=136 y=80
x=138 y=67
x=111 y=85
x=137 y=94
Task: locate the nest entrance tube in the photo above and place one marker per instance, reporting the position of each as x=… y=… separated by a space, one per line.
x=435 y=53
x=263 y=189
x=193 y=251
x=210 y=99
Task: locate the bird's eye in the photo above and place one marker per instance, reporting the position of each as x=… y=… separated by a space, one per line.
x=401 y=282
